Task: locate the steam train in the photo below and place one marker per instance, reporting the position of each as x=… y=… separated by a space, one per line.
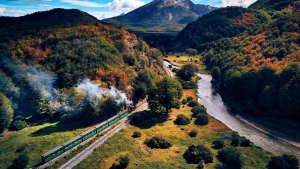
x=84 y=136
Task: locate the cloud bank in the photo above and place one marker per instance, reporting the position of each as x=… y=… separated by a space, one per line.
x=243 y=3
x=125 y=5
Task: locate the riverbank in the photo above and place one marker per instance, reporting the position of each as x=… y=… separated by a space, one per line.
x=260 y=136
x=283 y=133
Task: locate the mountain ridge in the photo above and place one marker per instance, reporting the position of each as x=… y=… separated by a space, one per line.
x=161 y=15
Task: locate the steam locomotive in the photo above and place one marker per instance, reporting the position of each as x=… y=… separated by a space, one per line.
x=84 y=136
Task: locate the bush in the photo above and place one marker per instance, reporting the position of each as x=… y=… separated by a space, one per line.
x=245 y=143
x=20 y=149
x=192 y=103
x=175 y=70
x=184 y=101
x=202 y=119
x=219 y=144
x=284 y=162
x=176 y=104
x=198 y=153
x=188 y=84
x=231 y=157
x=159 y=142
x=235 y=139
x=136 y=134
x=198 y=110
x=134 y=120
x=182 y=120
x=20 y=162
x=193 y=133
x=189 y=98
x=170 y=66
x=178 y=56
x=124 y=161
x=18 y=125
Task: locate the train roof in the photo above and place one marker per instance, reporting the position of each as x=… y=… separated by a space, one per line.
x=110 y=119
x=86 y=132
x=73 y=139
x=53 y=150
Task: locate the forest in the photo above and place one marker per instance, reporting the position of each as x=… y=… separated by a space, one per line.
x=259 y=68
x=43 y=71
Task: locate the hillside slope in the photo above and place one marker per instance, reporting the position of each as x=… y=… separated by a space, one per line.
x=267 y=59
x=221 y=23
x=161 y=15
x=58 y=14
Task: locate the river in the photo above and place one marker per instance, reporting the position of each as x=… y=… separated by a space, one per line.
x=216 y=108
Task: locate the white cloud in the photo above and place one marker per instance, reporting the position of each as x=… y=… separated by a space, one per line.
x=243 y=3
x=15 y=13
x=125 y=5
x=84 y=3
x=104 y=15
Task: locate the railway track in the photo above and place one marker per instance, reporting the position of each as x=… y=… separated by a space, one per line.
x=85 y=153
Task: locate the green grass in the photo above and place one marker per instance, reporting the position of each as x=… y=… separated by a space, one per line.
x=37 y=140
x=144 y=157
x=184 y=59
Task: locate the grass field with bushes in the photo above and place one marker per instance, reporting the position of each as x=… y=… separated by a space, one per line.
x=142 y=156
x=184 y=59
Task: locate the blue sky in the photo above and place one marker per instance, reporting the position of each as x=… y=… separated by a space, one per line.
x=98 y=8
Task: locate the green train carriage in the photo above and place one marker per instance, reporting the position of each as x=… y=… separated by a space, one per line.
x=82 y=137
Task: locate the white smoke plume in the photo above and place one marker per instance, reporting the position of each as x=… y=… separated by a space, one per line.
x=95 y=92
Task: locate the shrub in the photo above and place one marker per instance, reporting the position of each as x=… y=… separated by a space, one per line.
x=175 y=70
x=178 y=56
x=159 y=142
x=184 y=101
x=182 y=120
x=192 y=103
x=245 y=143
x=235 y=139
x=197 y=153
x=231 y=157
x=189 y=98
x=170 y=66
x=198 y=110
x=202 y=119
x=134 y=120
x=218 y=144
x=136 y=134
x=18 y=125
x=284 y=162
x=20 y=149
x=20 y=162
x=176 y=104
x=124 y=161
x=193 y=133
x=188 y=84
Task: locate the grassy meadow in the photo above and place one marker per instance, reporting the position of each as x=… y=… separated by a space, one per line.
x=36 y=140
x=184 y=59
x=143 y=156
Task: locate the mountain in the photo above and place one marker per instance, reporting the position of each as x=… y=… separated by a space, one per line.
x=162 y=15
x=58 y=14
